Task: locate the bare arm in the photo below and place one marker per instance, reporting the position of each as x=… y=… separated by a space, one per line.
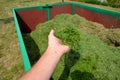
x=45 y=66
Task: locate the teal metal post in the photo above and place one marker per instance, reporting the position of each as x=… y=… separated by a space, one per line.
x=48 y=11
x=73 y=9
x=26 y=62
x=48 y=14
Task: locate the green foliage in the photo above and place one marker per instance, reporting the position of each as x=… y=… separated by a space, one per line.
x=92 y=1
x=112 y=3
x=89 y=58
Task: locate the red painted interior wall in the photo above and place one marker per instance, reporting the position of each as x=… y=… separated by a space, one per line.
x=29 y=19
x=55 y=10
x=107 y=20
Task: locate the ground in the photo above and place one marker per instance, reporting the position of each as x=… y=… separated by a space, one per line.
x=11 y=66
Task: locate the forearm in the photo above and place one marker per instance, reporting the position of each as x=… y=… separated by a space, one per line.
x=45 y=66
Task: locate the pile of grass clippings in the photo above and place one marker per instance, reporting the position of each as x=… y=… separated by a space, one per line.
x=109 y=36
x=89 y=58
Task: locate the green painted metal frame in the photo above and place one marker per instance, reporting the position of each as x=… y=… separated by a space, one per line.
x=24 y=54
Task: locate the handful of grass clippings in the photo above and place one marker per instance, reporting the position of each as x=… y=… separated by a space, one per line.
x=89 y=57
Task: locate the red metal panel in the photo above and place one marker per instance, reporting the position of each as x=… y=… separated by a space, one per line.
x=106 y=20
x=30 y=18
x=55 y=10
x=85 y=13
x=118 y=23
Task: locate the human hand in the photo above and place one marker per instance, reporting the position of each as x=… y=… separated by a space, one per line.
x=55 y=44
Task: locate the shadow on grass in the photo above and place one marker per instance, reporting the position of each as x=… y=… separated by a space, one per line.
x=70 y=60
x=26 y=1
x=78 y=75
x=32 y=49
x=7 y=20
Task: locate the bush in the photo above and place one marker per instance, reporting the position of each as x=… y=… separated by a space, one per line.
x=92 y=1
x=112 y=3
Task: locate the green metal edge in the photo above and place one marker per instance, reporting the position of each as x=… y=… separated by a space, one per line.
x=25 y=58
x=48 y=13
x=60 y=4
x=100 y=10
x=75 y=4
x=29 y=7
x=41 y=7
x=73 y=9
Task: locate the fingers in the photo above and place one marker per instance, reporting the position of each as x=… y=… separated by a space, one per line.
x=56 y=43
x=66 y=48
x=52 y=32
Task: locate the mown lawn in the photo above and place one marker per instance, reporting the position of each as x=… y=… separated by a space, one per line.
x=11 y=66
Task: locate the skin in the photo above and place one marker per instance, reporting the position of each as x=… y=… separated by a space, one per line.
x=45 y=66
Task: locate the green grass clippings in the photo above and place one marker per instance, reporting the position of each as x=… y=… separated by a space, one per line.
x=89 y=58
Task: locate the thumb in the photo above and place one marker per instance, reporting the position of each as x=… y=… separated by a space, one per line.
x=52 y=32
x=66 y=48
